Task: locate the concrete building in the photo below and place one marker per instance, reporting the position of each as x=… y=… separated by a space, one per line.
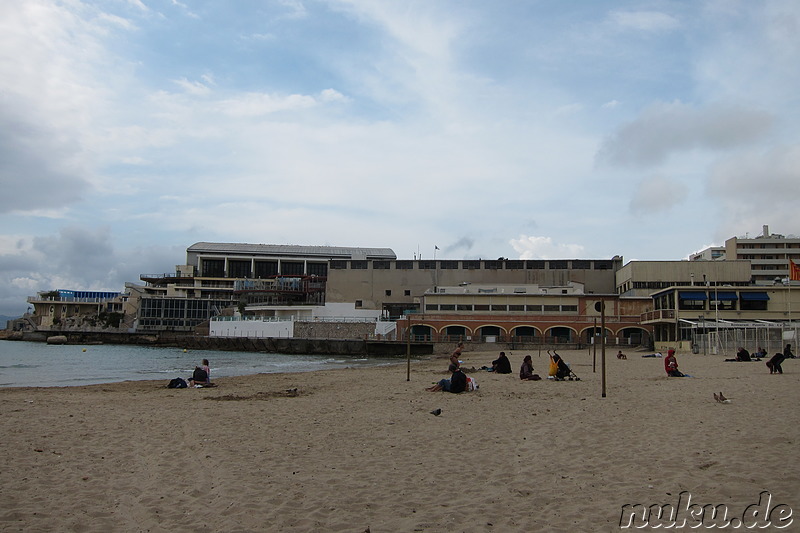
x=642 y=278
x=768 y=253
x=65 y=309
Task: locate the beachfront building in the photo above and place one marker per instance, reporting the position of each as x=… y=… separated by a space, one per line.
x=527 y=313
x=397 y=286
x=220 y=278
x=768 y=253
x=65 y=309
x=719 y=319
x=643 y=278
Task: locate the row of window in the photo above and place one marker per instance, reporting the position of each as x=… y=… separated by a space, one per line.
x=503 y=308
x=507 y=264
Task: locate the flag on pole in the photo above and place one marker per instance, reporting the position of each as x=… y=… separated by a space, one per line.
x=794 y=271
x=436 y=248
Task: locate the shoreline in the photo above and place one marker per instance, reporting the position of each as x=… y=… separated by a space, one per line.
x=358 y=447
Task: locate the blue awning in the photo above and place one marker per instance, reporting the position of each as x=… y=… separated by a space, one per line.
x=723 y=296
x=687 y=295
x=760 y=296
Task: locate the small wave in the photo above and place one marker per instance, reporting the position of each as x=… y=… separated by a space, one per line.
x=21 y=366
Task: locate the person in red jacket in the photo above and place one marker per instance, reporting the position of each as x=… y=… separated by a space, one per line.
x=671 y=365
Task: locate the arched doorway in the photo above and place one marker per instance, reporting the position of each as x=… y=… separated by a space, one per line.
x=561 y=334
x=524 y=333
x=490 y=333
x=455 y=333
x=421 y=332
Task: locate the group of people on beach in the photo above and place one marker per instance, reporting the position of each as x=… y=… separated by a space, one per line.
x=458 y=381
x=774 y=363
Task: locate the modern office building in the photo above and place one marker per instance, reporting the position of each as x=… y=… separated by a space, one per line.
x=768 y=253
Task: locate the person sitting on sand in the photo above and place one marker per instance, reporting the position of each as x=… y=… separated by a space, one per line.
x=671 y=365
x=457 y=382
x=501 y=365
x=761 y=352
x=741 y=355
x=621 y=355
x=201 y=375
x=526 y=370
x=774 y=363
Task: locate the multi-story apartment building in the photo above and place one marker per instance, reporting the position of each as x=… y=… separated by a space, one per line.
x=768 y=253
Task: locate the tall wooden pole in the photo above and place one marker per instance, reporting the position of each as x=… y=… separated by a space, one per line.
x=603 y=341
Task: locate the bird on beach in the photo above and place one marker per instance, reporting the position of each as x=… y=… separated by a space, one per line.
x=436 y=412
x=716 y=398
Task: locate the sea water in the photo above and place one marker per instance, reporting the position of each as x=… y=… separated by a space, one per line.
x=37 y=364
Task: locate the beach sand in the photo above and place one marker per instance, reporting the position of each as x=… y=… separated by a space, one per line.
x=359 y=448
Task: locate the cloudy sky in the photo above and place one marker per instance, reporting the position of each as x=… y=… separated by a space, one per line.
x=130 y=129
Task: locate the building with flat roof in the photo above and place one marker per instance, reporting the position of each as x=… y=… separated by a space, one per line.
x=642 y=278
x=768 y=253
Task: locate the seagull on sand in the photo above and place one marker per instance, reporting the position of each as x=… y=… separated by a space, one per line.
x=436 y=412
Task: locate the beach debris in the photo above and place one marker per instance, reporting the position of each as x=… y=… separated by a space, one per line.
x=436 y=412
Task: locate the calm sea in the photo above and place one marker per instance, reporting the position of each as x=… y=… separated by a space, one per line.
x=38 y=364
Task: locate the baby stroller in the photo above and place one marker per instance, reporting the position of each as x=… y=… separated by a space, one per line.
x=560 y=370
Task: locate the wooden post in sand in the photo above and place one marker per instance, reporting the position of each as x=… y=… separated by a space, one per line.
x=601 y=306
x=408 y=349
x=594 y=346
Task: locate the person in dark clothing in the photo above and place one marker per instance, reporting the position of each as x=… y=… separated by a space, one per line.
x=457 y=382
x=741 y=355
x=563 y=371
x=787 y=352
x=526 y=370
x=501 y=365
x=774 y=364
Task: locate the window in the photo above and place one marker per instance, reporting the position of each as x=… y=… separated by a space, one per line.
x=292 y=268
x=447 y=307
x=497 y=307
x=569 y=308
x=515 y=265
x=581 y=265
x=407 y=292
x=603 y=265
x=431 y=307
x=481 y=307
x=471 y=265
x=404 y=265
x=338 y=264
x=464 y=307
x=533 y=308
x=318 y=269
x=380 y=265
x=516 y=307
x=558 y=265
x=358 y=265
x=552 y=308
x=238 y=269
x=388 y=292
x=265 y=269
x=359 y=303
x=427 y=265
x=448 y=265
x=213 y=268
x=535 y=265
x=492 y=265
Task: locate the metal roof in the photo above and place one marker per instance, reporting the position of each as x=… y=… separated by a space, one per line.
x=333 y=252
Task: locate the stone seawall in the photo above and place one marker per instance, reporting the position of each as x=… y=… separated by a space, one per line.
x=241 y=344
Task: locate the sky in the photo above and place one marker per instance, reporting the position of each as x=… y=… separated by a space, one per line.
x=131 y=129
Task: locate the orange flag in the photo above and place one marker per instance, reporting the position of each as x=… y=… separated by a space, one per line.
x=794 y=271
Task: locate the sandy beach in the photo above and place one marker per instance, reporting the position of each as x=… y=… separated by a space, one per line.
x=358 y=448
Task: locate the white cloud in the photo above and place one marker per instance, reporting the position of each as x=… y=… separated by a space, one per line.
x=532 y=247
